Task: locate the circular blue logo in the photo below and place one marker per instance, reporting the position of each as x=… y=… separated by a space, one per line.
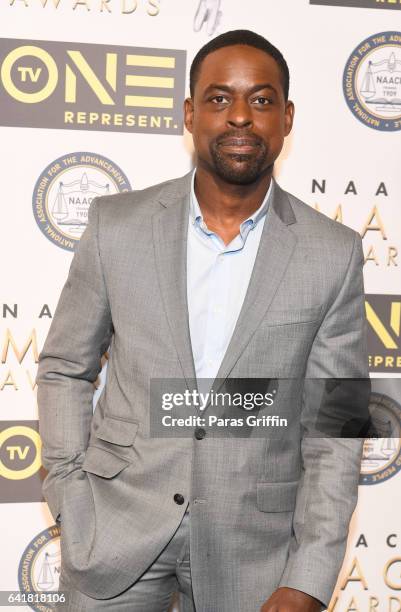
x=381 y=457
x=39 y=570
x=65 y=189
x=372 y=81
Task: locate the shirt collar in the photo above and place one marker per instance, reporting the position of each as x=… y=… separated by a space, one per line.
x=197 y=217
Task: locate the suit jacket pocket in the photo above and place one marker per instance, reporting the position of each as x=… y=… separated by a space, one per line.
x=276 y=496
x=117 y=431
x=290 y=317
x=103 y=463
x=110 y=447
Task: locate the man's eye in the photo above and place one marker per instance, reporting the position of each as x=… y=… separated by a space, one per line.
x=219 y=99
x=263 y=100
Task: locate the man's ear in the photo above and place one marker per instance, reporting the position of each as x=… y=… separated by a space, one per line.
x=189 y=114
x=289 y=117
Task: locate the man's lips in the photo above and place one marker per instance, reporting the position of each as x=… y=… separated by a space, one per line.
x=243 y=145
x=239 y=142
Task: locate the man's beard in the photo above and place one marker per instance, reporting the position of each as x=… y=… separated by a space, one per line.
x=238 y=168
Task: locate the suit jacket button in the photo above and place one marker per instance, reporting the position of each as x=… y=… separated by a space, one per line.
x=179 y=499
x=200 y=433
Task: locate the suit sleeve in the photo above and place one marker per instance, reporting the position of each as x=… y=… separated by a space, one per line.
x=70 y=363
x=328 y=489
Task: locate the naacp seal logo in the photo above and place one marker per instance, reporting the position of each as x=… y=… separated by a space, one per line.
x=381 y=457
x=372 y=81
x=39 y=568
x=65 y=189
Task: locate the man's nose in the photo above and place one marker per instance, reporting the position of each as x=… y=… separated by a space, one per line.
x=239 y=114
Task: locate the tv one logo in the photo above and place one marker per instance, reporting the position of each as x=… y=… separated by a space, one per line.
x=91 y=87
x=383 y=313
x=21 y=471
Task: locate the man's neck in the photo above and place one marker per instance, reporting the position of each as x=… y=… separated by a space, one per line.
x=226 y=205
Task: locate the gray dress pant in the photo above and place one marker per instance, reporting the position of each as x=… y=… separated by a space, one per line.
x=154 y=590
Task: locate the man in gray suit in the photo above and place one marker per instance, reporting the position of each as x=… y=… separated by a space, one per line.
x=219 y=274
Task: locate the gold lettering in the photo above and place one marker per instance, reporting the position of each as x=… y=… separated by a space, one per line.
x=26 y=71
x=355 y=567
x=81 y=2
x=392 y=254
x=338 y=214
x=17 y=450
x=9 y=340
x=105 y=6
x=352 y=607
x=333 y=606
x=9 y=381
x=32 y=383
x=395 y=600
x=370 y=226
x=149 y=101
x=119 y=119
x=155 y=122
x=154 y=8
x=395 y=317
x=55 y=3
x=134 y=80
x=390 y=583
x=89 y=76
x=111 y=70
x=371 y=255
x=378 y=326
x=131 y=9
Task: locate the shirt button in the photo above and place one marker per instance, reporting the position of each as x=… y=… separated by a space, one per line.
x=200 y=433
x=179 y=499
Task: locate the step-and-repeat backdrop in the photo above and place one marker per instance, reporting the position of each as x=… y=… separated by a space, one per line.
x=91 y=95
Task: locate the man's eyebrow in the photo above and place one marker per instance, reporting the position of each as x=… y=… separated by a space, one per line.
x=217 y=86
x=228 y=89
x=263 y=86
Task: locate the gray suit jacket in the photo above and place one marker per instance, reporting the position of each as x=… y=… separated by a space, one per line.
x=264 y=512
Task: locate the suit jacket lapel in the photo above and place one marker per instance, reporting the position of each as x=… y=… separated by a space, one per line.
x=170 y=229
x=276 y=248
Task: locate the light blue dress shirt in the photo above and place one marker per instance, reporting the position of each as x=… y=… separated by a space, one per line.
x=217 y=281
